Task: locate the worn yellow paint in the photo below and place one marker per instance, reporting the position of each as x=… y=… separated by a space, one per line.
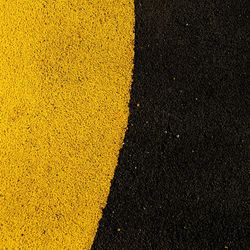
x=65 y=76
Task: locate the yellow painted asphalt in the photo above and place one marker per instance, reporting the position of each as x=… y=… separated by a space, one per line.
x=65 y=77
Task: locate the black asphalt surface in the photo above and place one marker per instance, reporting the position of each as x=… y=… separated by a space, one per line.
x=183 y=179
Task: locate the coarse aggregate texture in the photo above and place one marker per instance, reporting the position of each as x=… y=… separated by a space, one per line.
x=183 y=178
x=65 y=77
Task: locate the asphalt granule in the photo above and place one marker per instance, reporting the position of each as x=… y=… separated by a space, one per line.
x=183 y=176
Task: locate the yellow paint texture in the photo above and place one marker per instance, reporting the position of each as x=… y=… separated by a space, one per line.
x=65 y=76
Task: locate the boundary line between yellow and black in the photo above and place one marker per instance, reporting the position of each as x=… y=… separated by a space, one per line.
x=183 y=176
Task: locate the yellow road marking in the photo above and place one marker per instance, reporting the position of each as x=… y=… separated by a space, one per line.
x=65 y=76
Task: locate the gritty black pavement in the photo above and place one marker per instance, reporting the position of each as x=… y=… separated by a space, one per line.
x=183 y=178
